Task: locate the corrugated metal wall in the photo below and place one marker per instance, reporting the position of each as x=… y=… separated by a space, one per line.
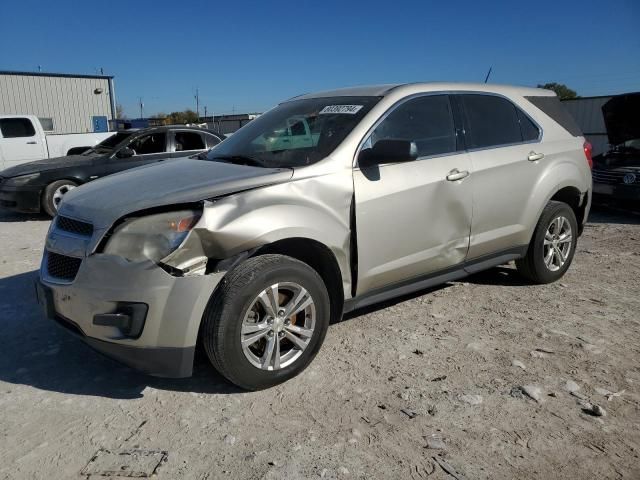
x=587 y=112
x=69 y=101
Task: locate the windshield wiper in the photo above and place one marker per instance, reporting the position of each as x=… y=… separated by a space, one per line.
x=240 y=160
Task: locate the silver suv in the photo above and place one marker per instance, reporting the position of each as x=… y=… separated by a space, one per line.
x=325 y=204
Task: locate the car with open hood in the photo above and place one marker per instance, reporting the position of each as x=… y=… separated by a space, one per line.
x=41 y=185
x=327 y=203
x=616 y=173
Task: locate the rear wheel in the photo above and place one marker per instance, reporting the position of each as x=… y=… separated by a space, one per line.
x=54 y=194
x=266 y=322
x=553 y=245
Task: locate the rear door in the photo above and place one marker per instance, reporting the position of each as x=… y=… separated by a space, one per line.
x=20 y=141
x=504 y=144
x=411 y=220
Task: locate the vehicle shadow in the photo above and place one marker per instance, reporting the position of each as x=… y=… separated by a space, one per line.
x=505 y=275
x=390 y=303
x=38 y=353
x=9 y=216
x=613 y=214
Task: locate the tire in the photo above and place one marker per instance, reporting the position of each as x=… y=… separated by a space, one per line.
x=534 y=266
x=235 y=307
x=53 y=194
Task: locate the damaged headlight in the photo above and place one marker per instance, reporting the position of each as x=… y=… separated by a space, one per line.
x=152 y=237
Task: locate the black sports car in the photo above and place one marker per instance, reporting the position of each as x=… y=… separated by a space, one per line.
x=616 y=173
x=41 y=185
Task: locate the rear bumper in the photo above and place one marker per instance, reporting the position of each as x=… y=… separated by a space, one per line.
x=20 y=199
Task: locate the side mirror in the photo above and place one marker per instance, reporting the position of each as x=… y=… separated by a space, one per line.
x=388 y=151
x=125 y=152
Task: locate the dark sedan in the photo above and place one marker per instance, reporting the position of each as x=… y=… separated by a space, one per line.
x=616 y=173
x=41 y=185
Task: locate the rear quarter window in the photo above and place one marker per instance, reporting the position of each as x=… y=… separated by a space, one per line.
x=552 y=107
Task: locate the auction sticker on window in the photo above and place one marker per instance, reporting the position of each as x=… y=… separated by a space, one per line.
x=348 y=109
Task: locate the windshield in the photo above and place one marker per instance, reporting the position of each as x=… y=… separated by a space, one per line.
x=295 y=133
x=110 y=143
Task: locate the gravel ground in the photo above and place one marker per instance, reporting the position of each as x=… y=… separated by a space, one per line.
x=436 y=385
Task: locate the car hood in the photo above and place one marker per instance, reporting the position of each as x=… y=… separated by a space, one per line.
x=621 y=118
x=106 y=200
x=49 y=164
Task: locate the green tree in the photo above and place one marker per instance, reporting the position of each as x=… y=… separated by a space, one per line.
x=563 y=92
x=188 y=116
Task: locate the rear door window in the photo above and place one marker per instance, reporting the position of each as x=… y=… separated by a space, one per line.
x=185 y=141
x=16 y=128
x=490 y=121
x=427 y=121
x=530 y=131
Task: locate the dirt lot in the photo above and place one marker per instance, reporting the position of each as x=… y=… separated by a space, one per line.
x=412 y=389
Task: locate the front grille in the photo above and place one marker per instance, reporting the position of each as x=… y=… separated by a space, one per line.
x=62 y=267
x=74 y=226
x=611 y=177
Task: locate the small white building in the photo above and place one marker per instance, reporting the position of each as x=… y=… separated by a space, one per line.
x=65 y=103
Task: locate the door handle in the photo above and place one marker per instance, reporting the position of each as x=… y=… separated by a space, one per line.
x=32 y=143
x=456 y=174
x=533 y=156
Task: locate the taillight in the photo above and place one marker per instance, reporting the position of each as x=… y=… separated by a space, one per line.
x=587 y=153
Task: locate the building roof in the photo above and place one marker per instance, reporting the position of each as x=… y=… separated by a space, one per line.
x=47 y=74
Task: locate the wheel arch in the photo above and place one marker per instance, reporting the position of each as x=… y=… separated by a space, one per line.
x=572 y=196
x=43 y=190
x=319 y=257
x=563 y=182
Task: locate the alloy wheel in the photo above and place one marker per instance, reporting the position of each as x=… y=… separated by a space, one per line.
x=558 y=241
x=278 y=326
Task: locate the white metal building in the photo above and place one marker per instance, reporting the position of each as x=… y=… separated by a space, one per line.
x=228 y=124
x=65 y=103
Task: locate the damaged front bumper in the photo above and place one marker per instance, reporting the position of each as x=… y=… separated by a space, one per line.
x=136 y=313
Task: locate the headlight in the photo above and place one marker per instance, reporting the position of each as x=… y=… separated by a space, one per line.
x=21 y=180
x=152 y=237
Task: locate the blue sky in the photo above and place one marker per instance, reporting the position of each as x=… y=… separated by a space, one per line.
x=247 y=56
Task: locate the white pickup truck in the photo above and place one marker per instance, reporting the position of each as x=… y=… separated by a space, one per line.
x=22 y=139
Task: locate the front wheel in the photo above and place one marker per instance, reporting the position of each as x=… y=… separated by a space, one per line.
x=266 y=322
x=53 y=195
x=553 y=245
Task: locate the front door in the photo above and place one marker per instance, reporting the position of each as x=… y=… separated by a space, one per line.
x=413 y=218
x=147 y=149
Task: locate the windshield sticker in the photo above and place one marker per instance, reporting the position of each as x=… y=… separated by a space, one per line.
x=348 y=109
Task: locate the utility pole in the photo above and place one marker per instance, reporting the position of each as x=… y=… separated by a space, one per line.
x=141 y=106
x=197 y=97
x=205 y=111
